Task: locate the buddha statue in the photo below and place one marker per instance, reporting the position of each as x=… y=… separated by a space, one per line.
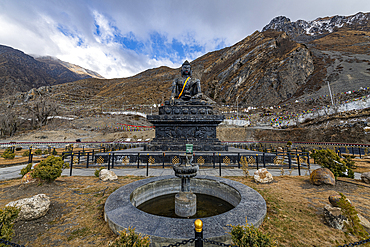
x=185 y=88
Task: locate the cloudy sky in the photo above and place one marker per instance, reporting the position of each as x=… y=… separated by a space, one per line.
x=120 y=38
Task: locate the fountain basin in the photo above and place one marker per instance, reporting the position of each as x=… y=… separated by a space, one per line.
x=120 y=208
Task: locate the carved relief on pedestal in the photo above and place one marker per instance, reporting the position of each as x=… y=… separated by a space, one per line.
x=186 y=132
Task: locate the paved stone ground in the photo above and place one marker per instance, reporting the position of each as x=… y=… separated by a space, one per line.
x=13 y=172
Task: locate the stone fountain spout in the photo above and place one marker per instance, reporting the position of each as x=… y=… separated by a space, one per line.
x=185 y=200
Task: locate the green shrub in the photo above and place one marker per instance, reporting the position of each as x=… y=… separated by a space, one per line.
x=329 y=159
x=26 y=169
x=97 y=171
x=54 y=152
x=352 y=224
x=250 y=236
x=8 y=154
x=7 y=217
x=289 y=143
x=26 y=153
x=38 y=151
x=49 y=169
x=128 y=238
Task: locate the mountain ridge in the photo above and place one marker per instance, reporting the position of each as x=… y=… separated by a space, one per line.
x=302 y=30
x=20 y=72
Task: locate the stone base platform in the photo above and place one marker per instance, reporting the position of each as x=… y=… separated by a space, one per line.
x=185 y=123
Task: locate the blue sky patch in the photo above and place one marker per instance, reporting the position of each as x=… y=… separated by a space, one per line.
x=66 y=32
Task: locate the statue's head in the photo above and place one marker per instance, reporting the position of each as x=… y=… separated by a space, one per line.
x=186 y=69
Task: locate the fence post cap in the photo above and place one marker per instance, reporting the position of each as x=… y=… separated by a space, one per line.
x=198 y=225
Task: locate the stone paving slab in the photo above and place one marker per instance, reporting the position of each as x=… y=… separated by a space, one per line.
x=11 y=172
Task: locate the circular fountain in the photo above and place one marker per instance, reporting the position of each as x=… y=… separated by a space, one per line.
x=121 y=208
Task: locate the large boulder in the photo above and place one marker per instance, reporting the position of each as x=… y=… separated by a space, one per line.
x=365 y=177
x=322 y=176
x=32 y=208
x=263 y=176
x=106 y=174
x=334 y=217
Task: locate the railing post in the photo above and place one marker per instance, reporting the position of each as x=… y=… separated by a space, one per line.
x=163 y=159
x=359 y=151
x=257 y=160
x=87 y=162
x=264 y=160
x=299 y=165
x=147 y=166
x=308 y=159
x=290 y=160
x=239 y=160
x=214 y=161
x=112 y=160
x=71 y=165
x=219 y=163
x=79 y=156
x=29 y=155
x=138 y=159
x=109 y=161
x=198 y=230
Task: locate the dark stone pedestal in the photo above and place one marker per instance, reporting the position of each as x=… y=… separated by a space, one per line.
x=184 y=123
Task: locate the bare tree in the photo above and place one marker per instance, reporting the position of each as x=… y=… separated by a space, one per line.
x=8 y=124
x=40 y=110
x=9 y=118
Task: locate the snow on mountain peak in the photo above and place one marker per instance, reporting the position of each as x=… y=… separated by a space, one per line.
x=317 y=26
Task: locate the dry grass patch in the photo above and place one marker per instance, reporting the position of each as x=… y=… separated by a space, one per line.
x=362 y=165
x=294 y=210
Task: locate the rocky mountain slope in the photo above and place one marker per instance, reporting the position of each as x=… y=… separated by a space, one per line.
x=340 y=48
x=287 y=61
x=20 y=72
x=53 y=61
